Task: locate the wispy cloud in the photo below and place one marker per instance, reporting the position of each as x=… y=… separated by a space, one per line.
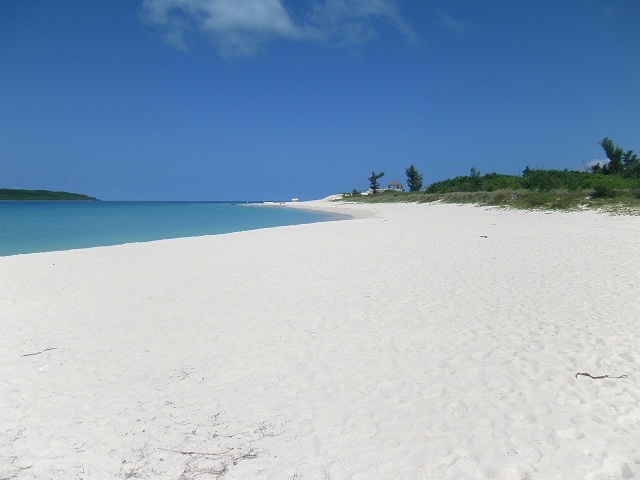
x=451 y=23
x=235 y=26
x=243 y=27
x=353 y=22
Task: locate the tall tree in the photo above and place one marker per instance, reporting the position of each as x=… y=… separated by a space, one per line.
x=631 y=165
x=614 y=154
x=414 y=179
x=476 y=183
x=374 y=185
x=621 y=162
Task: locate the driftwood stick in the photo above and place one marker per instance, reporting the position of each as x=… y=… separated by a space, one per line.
x=208 y=454
x=38 y=353
x=598 y=377
x=246 y=456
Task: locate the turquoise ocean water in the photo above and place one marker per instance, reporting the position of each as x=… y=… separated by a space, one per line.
x=29 y=227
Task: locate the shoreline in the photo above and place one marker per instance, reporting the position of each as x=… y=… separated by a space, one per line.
x=423 y=340
x=18 y=246
x=327 y=206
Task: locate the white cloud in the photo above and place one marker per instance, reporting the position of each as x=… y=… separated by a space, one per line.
x=451 y=23
x=235 y=26
x=594 y=162
x=242 y=27
x=351 y=22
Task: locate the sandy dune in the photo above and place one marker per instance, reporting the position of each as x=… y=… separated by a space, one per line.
x=425 y=341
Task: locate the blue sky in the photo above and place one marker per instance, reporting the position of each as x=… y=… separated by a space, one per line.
x=274 y=99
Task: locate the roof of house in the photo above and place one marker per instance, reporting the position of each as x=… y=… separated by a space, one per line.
x=394 y=183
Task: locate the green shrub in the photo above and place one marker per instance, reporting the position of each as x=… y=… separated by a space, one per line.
x=603 y=191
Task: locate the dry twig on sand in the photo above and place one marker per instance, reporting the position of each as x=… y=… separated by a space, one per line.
x=38 y=353
x=598 y=377
x=195 y=453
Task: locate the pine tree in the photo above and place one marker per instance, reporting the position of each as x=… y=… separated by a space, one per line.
x=414 y=179
x=374 y=185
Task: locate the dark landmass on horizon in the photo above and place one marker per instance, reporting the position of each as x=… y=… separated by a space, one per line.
x=46 y=195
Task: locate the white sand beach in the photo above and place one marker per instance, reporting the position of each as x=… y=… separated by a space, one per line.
x=416 y=342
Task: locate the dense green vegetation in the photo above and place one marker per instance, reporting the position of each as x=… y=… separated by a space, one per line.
x=16 y=194
x=616 y=201
x=613 y=186
x=619 y=162
x=536 y=180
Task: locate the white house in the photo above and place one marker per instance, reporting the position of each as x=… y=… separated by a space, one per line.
x=395 y=185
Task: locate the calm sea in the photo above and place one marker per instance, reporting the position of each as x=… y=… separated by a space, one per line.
x=28 y=227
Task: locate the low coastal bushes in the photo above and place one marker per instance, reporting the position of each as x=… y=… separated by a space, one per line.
x=537 y=180
x=527 y=199
x=613 y=185
x=601 y=197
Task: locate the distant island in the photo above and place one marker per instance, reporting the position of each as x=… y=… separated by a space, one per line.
x=17 y=194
